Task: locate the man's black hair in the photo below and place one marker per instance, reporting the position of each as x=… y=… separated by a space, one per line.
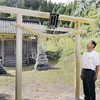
x=94 y=43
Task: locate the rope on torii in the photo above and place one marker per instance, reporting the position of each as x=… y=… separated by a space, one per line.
x=47 y=35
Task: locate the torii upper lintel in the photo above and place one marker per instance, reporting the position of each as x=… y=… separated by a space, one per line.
x=26 y=12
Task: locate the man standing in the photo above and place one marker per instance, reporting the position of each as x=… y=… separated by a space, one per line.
x=90 y=69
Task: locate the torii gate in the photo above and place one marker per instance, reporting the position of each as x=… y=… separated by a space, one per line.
x=20 y=13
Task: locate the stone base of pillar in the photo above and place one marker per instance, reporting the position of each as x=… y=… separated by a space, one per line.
x=73 y=98
x=2 y=71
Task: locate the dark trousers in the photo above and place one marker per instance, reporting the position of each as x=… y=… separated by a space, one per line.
x=88 y=84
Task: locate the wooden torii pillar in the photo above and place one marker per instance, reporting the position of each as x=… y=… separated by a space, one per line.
x=20 y=13
x=77 y=68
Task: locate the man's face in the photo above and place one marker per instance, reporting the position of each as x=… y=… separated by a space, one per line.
x=90 y=45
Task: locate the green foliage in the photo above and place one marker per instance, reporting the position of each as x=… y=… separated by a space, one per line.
x=43 y=7
x=53 y=56
x=83 y=5
x=49 y=6
x=64 y=50
x=55 y=8
x=72 y=25
x=20 y=4
x=61 y=10
x=6 y=3
x=12 y=16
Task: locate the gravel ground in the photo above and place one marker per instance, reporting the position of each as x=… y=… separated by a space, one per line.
x=35 y=91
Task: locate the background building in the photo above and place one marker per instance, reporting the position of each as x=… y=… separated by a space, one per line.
x=8 y=43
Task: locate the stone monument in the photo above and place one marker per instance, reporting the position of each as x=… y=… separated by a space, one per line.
x=2 y=71
x=41 y=61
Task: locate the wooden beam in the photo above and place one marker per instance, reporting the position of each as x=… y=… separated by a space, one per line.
x=27 y=51
x=41 y=27
x=13 y=10
x=2 y=51
x=12 y=35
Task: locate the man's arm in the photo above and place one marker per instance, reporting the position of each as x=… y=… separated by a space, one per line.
x=97 y=71
x=81 y=73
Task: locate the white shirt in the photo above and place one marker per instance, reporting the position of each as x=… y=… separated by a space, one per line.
x=90 y=60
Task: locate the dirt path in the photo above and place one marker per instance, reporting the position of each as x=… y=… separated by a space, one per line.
x=37 y=92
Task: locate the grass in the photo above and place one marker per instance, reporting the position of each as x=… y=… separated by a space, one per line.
x=60 y=72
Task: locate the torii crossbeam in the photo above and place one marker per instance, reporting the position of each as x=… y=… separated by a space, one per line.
x=20 y=12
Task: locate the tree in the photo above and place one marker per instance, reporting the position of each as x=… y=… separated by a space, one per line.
x=50 y=6
x=13 y=1
x=72 y=25
x=54 y=9
x=12 y=16
x=70 y=8
x=20 y=4
x=83 y=4
x=34 y=4
x=61 y=10
x=5 y=3
x=43 y=6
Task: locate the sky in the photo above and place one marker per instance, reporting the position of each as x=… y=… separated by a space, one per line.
x=61 y=1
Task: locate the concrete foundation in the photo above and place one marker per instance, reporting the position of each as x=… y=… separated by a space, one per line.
x=73 y=98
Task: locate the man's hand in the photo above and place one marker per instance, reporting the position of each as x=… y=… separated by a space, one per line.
x=97 y=71
x=81 y=76
x=95 y=78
